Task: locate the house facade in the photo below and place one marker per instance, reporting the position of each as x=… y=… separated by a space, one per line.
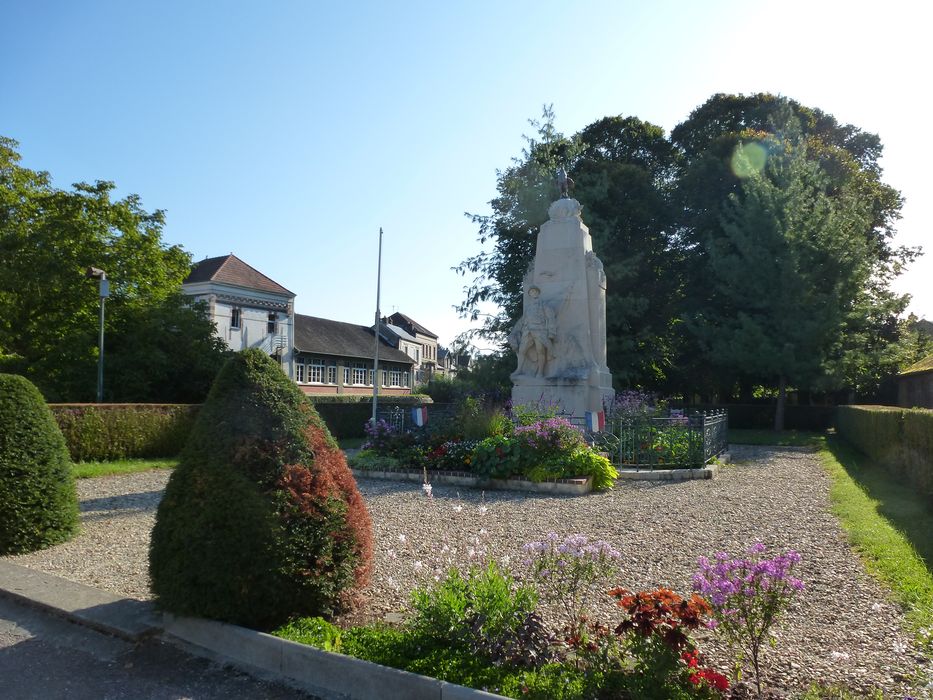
x=426 y=367
x=249 y=309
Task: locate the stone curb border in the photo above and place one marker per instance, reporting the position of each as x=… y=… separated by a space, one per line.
x=327 y=675
x=710 y=471
x=566 y=487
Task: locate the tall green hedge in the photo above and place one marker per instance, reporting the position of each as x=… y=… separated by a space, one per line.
x=38 y=504
x=901 y=439
x=345 y=415
x=99 y=432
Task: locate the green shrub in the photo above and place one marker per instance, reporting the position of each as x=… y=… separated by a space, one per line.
x=481 y=610
x=262 y=520
x=103 y=432
x=313 y=631
x=38 y=504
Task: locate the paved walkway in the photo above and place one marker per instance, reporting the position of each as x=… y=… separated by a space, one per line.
x=46 y=657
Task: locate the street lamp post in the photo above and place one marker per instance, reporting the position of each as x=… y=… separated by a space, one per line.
x=98 y=274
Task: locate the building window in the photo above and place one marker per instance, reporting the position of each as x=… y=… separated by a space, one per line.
x=316 y=371
x=385 y=378
x=346 y=376
x=405 y=379
x=270 y=325
x=299 y=373
x=332 y=374
x=395 y=378
x=359 y=374
x=234 y=318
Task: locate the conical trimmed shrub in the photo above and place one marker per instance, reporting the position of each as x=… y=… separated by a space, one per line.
x=38 y=504
x=262 y=519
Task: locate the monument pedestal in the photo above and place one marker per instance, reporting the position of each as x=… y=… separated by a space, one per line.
x=561 y=338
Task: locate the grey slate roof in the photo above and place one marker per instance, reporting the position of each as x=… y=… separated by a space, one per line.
x=229 y=269
x=325 y=337
x=400 y=319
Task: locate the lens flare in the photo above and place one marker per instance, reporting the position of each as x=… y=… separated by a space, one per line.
x=748 y=159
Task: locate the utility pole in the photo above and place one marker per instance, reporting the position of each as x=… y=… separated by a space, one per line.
x=376 y=334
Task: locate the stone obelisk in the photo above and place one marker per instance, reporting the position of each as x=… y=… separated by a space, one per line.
x=561 y=338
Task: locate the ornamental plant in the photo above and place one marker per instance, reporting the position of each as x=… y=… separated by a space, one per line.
x=566 y=571
x=656 y=633
x=261 y=520
x=748 y=595
x=38 y=504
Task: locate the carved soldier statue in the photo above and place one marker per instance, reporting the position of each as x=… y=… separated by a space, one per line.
x=537 y=330
x=564 y=183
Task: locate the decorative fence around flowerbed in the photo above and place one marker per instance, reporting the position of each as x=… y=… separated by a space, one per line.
x=665 y=443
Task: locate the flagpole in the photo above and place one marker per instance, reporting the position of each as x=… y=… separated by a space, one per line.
x=376 y=353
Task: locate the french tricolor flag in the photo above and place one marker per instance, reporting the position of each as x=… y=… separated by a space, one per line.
x=419 y=415
x=595 y=421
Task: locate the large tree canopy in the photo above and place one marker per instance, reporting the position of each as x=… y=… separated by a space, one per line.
x=752 y=247
x=49 y=308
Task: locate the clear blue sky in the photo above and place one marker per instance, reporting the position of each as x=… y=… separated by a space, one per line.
x=288 y=132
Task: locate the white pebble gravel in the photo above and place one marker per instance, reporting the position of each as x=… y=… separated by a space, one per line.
x=842 y=629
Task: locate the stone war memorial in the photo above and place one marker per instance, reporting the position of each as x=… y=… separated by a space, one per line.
x=560 y=339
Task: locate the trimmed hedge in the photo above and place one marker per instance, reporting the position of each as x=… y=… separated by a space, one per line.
x=38 y=503
x=761 y=416
x=262 y=519
x=900 y=439
x=345 y=416
x=102 y=432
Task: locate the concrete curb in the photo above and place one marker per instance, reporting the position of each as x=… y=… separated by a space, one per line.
x=325 y=674
x=710 y=471
x=563 y=487
x=120 y=617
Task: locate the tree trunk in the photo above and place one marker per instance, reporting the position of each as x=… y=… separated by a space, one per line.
x=781 y=400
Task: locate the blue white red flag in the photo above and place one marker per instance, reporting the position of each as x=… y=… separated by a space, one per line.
x=419 y=415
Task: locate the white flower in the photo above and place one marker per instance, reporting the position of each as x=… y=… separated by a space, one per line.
x=445 y=549
x=391 y=554
x=505 y=560
x=427 y=488
x=483 y=532
x=418 y=565
x=875 y=607
x=458 y=508
x=401 y=538
x=839 y=656
x=900 y=647
x=390 y=581
x=482 y=510
x=471 y=552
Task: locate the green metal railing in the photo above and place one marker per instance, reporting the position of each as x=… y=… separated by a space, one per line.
x=677 y=442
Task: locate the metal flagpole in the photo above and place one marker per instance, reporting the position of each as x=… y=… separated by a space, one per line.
x=376 y=353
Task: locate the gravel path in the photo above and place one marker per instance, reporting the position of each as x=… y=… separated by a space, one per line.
x=842 y=629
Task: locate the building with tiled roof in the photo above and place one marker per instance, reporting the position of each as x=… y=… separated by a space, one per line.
x=336 y=357
x=426 y=365
x=249 y=309
x=322 y=356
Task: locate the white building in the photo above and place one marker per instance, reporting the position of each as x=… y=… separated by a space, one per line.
x=250 y=310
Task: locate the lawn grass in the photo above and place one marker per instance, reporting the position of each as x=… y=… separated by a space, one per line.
x=890 y=525
x=87 y=470
x=783 y=438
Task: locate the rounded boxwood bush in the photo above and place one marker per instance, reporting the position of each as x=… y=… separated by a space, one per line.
x=38 y=504
x=262 y=519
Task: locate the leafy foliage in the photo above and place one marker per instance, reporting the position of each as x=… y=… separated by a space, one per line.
x=38 y=504
x=157 y=347
x=262 y=520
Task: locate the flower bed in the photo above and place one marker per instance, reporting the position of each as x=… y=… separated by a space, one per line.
x=481 y=625
x=549 y=449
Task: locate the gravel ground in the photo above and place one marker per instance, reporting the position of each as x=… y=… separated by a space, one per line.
x=842 y=629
